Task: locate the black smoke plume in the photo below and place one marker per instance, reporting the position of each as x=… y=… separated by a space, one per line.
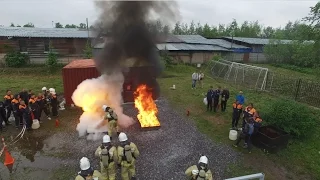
x=125 y=24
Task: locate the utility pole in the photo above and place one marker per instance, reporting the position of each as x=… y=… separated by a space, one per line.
x=88 y=28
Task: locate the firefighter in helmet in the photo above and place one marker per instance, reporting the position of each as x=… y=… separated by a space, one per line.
x=87 y=172
x=200 y=171
x=108 y=157
x=112 y=118
x=127 y=154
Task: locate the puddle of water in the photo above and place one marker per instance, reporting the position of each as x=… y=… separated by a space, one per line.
x=36 y=155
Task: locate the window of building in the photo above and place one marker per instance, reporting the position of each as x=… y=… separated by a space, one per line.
x=23 y=45
x=46 y=45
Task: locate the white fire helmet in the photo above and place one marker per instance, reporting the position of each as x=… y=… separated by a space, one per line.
x=84 y=163
x=123 y=137
x=52 y=90
x=203 y=159
x=104 y=107
x=106 y=139
x=44 y=89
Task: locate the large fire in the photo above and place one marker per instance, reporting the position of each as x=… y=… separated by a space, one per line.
x=144 y=102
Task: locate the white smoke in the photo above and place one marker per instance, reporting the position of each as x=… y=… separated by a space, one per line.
x=91 y=95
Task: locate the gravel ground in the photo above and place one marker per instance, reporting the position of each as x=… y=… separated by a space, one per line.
x=165 y=153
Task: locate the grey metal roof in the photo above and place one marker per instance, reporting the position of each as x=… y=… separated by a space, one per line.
x=194 y=39
x=226 y=44
x=44 y=32
x=189 y=47
x=259 y=41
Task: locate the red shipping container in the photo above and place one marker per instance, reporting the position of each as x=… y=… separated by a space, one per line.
x=76 y=72
x=79 y=70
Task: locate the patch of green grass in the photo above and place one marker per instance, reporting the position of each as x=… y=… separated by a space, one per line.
x=293 y=71
x=239 y=169
x=35 y=78
x=299 y=157
x=63 y=173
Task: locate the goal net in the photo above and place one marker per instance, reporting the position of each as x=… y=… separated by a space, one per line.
x=253 y=77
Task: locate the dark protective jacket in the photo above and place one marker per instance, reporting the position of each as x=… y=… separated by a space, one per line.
x=225 y=95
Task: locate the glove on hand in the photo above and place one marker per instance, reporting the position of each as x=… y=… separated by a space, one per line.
x=195 y=172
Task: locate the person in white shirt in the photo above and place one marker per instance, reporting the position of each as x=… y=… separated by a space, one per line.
x=201 y=76
x=195 y=77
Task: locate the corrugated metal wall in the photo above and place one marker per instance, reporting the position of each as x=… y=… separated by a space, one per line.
x=72 y=77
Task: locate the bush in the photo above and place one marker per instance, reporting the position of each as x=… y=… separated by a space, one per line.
x=88 y=51
x=52 y=60
x=294 y=118
x=16 y=59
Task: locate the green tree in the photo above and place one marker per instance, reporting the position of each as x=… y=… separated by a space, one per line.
x=82 y=26
x=206 y=32
x=52 y=60
x=29 y=25
x=192 y=29
x=166 y=29
x=11 y=25
x=18 y=25
x=88 y=51
x=199 y=29
x=72 y=26
x=177 y=29
x=58 y=25
x=185 y=28
x=158 y=26
x=268 y=32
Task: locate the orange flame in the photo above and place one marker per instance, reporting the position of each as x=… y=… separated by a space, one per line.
x=147 y=108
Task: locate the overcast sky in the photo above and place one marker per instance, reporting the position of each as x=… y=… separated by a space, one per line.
x=267 y=12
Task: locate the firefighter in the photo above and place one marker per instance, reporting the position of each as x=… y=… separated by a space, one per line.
x=34 y=107
x=112 y=118
x=54 y=103
x=41 y=101
x=46 y=108
x=30 y=93
x=248 y=113
x=257 y=121
x=225 y=94
x=127 y=155
x=7 y=104
x=246 y=133
x=199 y=171
x=26 y=114
x=15 y=107
x=216 y=96
x=2 y=114
x=87 y=172
x=237 y=110
x=24 y=96
x=107 y=154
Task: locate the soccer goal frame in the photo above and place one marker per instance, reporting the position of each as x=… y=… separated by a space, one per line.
x=240 y=66
x=233 y=71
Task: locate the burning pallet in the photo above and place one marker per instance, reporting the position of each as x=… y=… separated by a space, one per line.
x=147 y=108
x=149 y=128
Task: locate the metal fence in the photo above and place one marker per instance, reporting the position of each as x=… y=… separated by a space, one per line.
x=297 y=88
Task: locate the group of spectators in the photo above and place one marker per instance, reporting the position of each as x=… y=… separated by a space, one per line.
x=25 y=106
x=251 y=121
x=197 y=77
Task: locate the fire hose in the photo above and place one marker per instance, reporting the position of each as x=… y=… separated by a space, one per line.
x=17 y=138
